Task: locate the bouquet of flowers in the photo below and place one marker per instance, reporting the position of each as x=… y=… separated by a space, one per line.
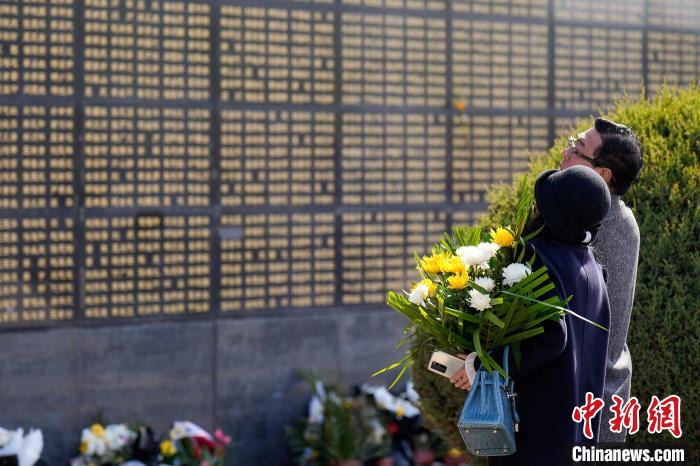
x=27 y=448
x=337 y=429
x=477 y=292
x=190 y=445
x=105 y=445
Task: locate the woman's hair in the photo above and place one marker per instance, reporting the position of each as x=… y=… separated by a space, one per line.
x=573 y=203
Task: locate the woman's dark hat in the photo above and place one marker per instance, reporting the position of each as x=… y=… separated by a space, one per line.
x=573 y=202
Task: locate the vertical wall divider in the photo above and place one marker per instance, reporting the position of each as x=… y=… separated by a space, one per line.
x=214 y=196
x=337 y=152
x=645 y=47
x=449 y=130
x=79 y=161
x=215 y=159
x=551 y=91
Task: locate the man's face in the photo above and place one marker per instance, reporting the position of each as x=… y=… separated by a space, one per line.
x=586 y=144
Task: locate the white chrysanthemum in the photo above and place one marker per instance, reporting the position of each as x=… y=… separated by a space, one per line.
x=489 y=248
x=479 y=301
x=472 y=255
x=118 y=435
x=177 y=432
x=515 y=272
x=419 y=294
x=96 y=446
x=485 y=283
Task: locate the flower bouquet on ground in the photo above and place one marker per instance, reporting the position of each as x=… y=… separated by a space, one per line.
x=105 y=445
x=477 y=292
x=190 y=445
x=338 y=430
x=20 y=449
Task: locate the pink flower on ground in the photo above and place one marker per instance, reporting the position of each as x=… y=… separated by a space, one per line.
x=221 y=437
x=204 y=463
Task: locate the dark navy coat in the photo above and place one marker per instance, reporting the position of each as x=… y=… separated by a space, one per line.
x=560 y=365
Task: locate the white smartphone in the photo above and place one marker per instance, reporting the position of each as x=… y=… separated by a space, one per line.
x=444 y=364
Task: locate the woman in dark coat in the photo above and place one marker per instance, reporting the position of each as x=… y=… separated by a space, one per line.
x=559 y=366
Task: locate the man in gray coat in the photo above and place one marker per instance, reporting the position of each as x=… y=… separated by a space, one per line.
x=614 y=152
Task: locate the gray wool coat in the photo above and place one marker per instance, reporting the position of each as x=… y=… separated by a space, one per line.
x=617 y=249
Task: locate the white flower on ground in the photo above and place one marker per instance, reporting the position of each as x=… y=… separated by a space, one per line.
x=411 y=393
x=419 y=295
x=11 y=441
x=479 y=301
x=485 y=282
x=118 y=435
x=95 y=446
x=489 y=248
x=384 y=399
x=32 y=445
x=515 y=272
x=182 y=429
x=378 y=431
x=177 y=432
x=5 y=436
x=473 y=255
x=315 y=410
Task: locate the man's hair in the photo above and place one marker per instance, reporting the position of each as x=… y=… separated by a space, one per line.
x=621 y=152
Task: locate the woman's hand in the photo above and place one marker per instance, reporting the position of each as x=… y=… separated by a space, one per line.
x=460 y=378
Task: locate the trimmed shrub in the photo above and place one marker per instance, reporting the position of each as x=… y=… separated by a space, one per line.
x=664 y=334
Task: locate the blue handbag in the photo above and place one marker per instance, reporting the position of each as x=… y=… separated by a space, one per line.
x=489 y=420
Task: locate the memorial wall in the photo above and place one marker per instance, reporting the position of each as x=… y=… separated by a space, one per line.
x=230 y=164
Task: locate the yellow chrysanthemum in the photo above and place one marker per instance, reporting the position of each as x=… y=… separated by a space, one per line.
x=432 y=287
x=432 y=264
x=454 y=453
x=83 y=447
x=459 y=281
x=453 y=264
x=167 y=448
x=502 y=237
x=97 y=430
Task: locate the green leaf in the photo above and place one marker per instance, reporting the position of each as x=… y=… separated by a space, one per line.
x=463 y=315
x=493 y=319
x=560 y=308
x=398 y=377
x=533 y=234
x=391 y=366
x=525 y=281
x=480 y=351
x=523 y=335
x=496 y=301
x=441 y=306
x=509 y=317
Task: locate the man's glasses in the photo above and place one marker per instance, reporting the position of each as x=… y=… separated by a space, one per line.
x=594 y=162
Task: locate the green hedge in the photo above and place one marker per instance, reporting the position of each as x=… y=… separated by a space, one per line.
x=664 y=335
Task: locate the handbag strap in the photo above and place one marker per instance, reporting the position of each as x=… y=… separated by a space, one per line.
x=511 y=395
